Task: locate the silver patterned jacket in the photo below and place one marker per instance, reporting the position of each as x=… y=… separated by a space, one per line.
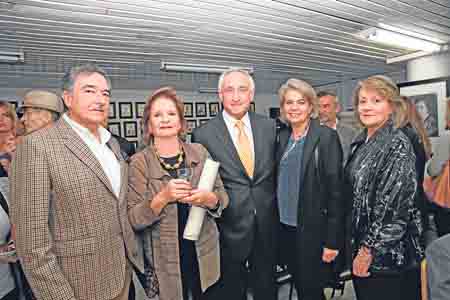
x=382 y=180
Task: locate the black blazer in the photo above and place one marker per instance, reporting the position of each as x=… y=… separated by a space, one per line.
x=251 y=199
x=320 y=209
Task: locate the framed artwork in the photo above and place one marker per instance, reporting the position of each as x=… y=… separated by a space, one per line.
x=130 y=129
x=429 y=97
x=252 y=106
x=202 y=121
x=125 y=110
x=139 y=107
x=114 y=128
x=112 y=110
x=188 y=110
x=274 y=112
x=191 y=124
x=214 y=108
x=200 y=109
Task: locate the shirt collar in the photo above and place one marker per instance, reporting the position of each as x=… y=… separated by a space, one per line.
x=105 y=135
x=232 y=121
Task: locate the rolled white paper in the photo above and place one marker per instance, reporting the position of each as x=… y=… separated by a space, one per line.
x=196 y=213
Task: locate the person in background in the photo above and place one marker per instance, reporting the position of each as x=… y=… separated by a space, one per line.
x=40 y=109
x=429 y=120
x=244 y=144
x=329 y=107
x=438 y=276
x=158 y=202
x=441 y=156
x=381 y=179
x=8 y=121
x=309 y=158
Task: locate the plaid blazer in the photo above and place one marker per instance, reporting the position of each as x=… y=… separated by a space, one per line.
x=73 y=234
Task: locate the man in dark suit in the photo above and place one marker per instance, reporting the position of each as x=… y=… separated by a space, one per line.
x=438 y=276
x=243 y=142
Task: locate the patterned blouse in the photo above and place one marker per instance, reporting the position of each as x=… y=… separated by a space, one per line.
x=382 y=177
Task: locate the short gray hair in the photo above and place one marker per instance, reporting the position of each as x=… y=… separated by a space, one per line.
x=235 y=70
x=328 y=93
x=69 y=78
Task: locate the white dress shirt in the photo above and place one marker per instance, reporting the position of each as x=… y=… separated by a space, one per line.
x=101 y=151
x=230 y=122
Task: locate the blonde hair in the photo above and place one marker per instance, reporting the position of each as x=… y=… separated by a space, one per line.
x=414 y=118
x=11 y=113
x=303 y=88
x=386 y=88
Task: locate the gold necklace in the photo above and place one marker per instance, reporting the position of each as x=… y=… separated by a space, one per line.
x=168 y=166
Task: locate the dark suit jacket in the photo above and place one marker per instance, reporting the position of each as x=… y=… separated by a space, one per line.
x=438 y=275
x=346 y=136
x=251 y=199
x=320 y=208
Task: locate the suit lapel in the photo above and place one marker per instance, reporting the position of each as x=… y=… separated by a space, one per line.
x=225 y=137
x=75 y=144
x=312 y=138
x=258 y=138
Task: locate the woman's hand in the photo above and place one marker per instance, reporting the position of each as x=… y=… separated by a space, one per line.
x=171 y=192
x=8 y=253
x=201 y=198
x=362 y=262
x=176 y=189
x=329 y=255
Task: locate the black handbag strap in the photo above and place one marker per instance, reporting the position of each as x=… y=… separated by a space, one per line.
x=4 y=204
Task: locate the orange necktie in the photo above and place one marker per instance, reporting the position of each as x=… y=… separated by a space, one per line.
x=244 y=148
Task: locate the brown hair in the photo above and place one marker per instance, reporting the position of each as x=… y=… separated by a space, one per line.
x=303 y=88
x=413 y=118
x=386 y=88
x=169 y=93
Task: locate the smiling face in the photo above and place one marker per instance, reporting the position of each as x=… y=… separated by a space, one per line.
x=374 y=109
x=297 y=109
x=236 y=94
x=6 y=122
x=88 y=102
x=164 y=119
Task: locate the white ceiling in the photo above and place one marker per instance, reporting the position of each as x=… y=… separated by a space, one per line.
x=309 y=38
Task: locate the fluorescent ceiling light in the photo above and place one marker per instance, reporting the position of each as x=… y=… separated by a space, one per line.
x=410 y=33
x=12 y=57
x=207 y=90
x=199 y=68
x=399 y=40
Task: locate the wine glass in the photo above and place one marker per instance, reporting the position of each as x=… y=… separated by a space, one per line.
x=185 y=173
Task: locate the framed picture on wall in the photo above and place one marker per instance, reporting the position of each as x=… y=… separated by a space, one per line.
x=125 y=110
x=188 y=110
x=139 y=107
x=214 y=108
x=429 y=98
x=130 y=129
x=200 y=109
x=112 y=110
x=252 y=106
x=114 y=128
x=191 y=124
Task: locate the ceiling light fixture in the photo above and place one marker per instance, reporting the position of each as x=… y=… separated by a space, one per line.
x=399 y=40
x=199 y=68
x=12 y=57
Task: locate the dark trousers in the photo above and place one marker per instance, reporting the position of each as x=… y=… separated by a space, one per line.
x=388 y=287
x=237 y=276
x=442 y=219
x=290 y=255
x=13 y=295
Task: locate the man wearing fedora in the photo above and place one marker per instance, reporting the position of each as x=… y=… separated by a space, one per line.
x=40 y=109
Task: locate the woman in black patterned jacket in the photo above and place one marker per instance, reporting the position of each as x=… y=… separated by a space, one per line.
x=381 y=176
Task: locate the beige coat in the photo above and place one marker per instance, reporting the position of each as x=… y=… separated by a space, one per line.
x=147 y=178
x=75 y=244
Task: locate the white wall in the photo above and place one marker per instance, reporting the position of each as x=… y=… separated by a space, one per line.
x=428 y=67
